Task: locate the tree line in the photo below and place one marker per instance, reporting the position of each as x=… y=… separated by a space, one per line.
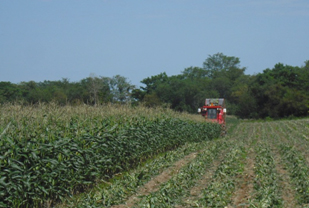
x=93 y=90
x=282 y=91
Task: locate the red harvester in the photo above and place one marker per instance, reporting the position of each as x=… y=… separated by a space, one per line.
x=214 y=111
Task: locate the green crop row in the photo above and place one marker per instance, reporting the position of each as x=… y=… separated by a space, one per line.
x=178 y=187
x=45 y=158
x=220 y=190
x=299 y=171
x=109 y=194
x=266 y=182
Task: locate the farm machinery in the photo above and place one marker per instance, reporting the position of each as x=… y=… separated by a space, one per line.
x=214 y=111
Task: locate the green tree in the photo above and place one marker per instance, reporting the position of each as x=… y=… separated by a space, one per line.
x=222 y=65
x=9 y=92
x=121 y=89
x=153 y=82
x=194 y=73
x=223 y=71
x=98 y=90
x=242 y=102
x=34 y=92
x=138 y=95
x=179 y=93
x=281 y=92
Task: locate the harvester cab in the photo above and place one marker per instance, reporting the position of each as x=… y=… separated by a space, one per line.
x=214 y=111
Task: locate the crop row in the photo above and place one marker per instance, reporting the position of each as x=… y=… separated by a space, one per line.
x=266 y=185
x=178 y=187
x=299 y=171
x=290 y=149
x=300 y=128
x=220 y=190
x=126 y=184
x=46 y=166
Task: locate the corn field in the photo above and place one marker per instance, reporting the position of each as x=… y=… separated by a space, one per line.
x=50 y=152
x=119 y=156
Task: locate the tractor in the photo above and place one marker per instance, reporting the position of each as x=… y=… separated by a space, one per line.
x=214 y=111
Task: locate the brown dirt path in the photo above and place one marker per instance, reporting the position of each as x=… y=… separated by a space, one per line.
x=154 y=184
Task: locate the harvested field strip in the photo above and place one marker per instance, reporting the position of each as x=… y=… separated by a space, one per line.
x=266 y=182
x=289 y=152
x=287 y=187
x=296 y=130
x=219 y=192
x=173 y=190
x=219 y=189
x=300 y=128
x=227 y=186
x=196 y=191
x=154 y=184
x=299 y=171
x=291 y=138
x=302 y=124
x=243 y=192
x=243 y=181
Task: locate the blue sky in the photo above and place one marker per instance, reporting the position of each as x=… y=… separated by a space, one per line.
x=54 y=39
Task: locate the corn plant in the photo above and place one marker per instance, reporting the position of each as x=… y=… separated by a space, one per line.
x=50 y=152
x=120 y=188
